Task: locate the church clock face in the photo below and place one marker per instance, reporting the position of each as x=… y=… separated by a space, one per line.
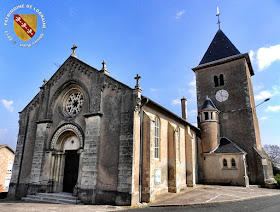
x=74 y=103
x=222 y=95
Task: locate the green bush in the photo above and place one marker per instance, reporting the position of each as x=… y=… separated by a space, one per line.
x=277 y=178
x=275 y=170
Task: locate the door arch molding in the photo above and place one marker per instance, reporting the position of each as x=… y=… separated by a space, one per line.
x=66 y=128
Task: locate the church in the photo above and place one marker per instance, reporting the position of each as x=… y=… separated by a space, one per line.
x=90 y=135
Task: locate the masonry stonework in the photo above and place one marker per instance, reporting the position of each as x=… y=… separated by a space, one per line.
x=124 y=148
x=224 y=76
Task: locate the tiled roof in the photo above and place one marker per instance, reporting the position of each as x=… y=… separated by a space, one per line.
x=220 y=47
x=227 y=146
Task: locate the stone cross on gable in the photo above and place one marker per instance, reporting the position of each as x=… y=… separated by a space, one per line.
x=74 y=48
x=137 y=80
x=104 y=65
x=104 y=69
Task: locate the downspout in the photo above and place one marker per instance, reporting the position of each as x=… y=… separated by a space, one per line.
x=141 y=150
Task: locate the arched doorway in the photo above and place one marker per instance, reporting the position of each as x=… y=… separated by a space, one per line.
x=70 y=170
x=67 y=144
x=70 y=146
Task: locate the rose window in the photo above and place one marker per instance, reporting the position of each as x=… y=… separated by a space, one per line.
x=74 y=103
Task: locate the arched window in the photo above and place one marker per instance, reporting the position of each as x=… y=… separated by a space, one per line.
x=233 y=164
x=222 y=79
x=225 y=163
x=206 y=115
x=157 y=138
x=219 y=81
x=216 y=81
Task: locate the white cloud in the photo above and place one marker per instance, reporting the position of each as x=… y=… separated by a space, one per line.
x=192 y=89
x=265 y=56
x=268 y=93
x=179 y=14
x=251 y=55
x=182 y=91
x=176 y=101
x=276 y=89
x=273 y=108
x=192 y=113
x=193 y=82
x=264 y=118
x=263 y=95
x=258 y=87
x=154 y=90
x=8 y=105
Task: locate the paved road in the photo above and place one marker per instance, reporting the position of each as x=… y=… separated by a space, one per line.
x=213 y=194
x=264 y=204
x=201 y=198
x=22 y=206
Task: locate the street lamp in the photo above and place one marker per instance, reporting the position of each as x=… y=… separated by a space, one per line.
x=263 y=102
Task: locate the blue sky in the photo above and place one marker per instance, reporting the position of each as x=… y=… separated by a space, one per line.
x=159 y=39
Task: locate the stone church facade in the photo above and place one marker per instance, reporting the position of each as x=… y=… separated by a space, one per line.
x=91 y=135
x=84 y=133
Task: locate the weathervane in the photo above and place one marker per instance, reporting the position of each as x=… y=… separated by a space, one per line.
x=218 y=14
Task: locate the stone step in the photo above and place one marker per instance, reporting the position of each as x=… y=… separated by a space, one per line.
x=31 y=199
x=58 y=195
x=58 y=198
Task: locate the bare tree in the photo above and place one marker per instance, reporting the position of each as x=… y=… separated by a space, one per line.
x=273 y=152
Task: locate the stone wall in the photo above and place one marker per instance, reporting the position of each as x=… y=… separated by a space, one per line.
x=106 y=123
x=215 y=172
x=238 y=120
x=178 y=153
x=6 y=157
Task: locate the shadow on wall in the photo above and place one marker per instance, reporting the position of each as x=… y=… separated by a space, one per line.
x=3 y=195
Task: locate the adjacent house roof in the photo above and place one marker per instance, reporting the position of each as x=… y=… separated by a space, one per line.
x=6 y=146
x=220 y=47
x=209 y=105
x=227 y=146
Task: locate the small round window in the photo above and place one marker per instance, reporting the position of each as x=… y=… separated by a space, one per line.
x=73 y=102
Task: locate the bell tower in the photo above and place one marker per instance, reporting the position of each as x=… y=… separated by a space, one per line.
x=224 y=74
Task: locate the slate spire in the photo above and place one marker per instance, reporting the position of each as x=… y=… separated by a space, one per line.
x=220 y=47
x=209 y=105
